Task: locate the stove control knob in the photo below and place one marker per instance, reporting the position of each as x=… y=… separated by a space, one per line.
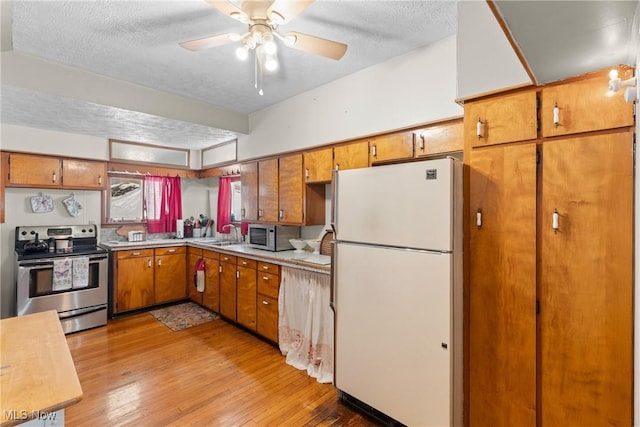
x=91 y=230
x=84 y=230
x=24 y=233
x=33 y=232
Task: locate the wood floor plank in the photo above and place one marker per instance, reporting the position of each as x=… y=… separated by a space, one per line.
x=136 y=371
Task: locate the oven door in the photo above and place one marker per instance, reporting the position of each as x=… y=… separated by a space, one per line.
x=37 y=290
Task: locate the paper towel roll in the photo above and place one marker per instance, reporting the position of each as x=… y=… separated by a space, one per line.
x=179 y=228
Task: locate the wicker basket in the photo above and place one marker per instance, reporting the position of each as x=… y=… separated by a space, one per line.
x=326 y=248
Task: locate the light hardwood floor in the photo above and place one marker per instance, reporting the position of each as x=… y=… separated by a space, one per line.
x=136 y=371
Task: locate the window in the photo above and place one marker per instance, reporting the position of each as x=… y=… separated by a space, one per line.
x=125 y=200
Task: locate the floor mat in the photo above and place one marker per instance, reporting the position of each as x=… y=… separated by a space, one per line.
x=183 y=316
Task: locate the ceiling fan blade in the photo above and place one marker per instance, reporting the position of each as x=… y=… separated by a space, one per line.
x=225 y=6
x=208 y=42
x=288 y=9
x=317 y=45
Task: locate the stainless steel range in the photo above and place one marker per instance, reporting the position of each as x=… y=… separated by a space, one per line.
x=62 y=268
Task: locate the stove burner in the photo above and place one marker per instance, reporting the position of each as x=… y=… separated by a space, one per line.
x=84 y=239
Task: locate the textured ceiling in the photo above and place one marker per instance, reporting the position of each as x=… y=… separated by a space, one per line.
x=566 y=38
x=137 y=42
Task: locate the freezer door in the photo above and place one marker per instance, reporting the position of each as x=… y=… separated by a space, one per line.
x=398 y=205
x=393 y=331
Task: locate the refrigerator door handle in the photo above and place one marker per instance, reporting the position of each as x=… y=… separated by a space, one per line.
x=334 y=277
x=334 y=201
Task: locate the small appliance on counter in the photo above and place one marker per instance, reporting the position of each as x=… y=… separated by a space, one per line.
x=272 y=237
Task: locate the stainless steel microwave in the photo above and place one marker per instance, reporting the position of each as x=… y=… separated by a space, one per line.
x=272 y=237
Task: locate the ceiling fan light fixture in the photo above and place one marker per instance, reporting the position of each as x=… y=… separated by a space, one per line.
x=242 y=52
x=289 y=40
x=271 y=63
x=239 y=17
x=270 y=47
x=276 y=18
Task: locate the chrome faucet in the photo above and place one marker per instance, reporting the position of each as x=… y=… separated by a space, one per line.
x=235 y=231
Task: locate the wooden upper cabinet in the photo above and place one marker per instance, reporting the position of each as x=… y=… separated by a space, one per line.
x=438 y=139
x=318 y=165
x=291 y=189
x=84 y=174
x=268 y=190
x=3 y=171
x=249 y=181
x=353 y=155
x=395 y=146
x=501 y=119
x=584 y=106
x=33 y=170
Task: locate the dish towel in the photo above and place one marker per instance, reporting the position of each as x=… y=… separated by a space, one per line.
x=80 y=272
x=61 y=274
x=200 y=275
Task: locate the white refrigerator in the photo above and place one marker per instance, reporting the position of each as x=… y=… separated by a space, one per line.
x=397 y=290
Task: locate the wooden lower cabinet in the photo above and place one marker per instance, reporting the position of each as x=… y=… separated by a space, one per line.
x=268 y=281
x=228 y=291
x=586 y=281
x=133 y=280
x=211 y=294
x=246 y=293
x=193 y=255
x=170 y=272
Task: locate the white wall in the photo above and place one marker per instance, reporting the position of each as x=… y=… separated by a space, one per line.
x=485 y=60
x=412 y=89
x=42 y=141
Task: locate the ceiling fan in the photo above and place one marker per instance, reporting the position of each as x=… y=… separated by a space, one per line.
x=263 y=17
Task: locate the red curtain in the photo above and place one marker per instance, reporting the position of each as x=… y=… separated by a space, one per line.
x=163 y=199
x=224 y=204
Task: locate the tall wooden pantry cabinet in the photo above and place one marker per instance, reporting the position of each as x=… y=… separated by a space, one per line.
x=550 y=279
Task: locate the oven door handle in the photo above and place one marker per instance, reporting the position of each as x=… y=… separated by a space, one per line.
x=36 y=265
x=49 y=262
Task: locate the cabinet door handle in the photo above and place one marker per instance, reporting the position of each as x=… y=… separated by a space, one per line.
x=422 y=141
x=555 y=220
x=136 y=253
x=99 y=180
x=265 y=278
x=479 y=128
x=244 y=262
x=171 y=251
x=220 y=269
x=374 y=151
x=281 y=214
x=265 y=267
x=556 y=115
x=265 y=302
x=149 y=263
x=337 y=166
x=237 y=274
x=159 y=262
x=479 y=218
x=260 y=213
x=306 y=173
x=53 y=177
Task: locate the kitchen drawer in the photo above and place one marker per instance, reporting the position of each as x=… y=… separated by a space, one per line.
x=135 y=253
x=211 y=254
x=228 y=258
x=268 y=318
x=266 y=267
x=268 y=284
x=171 y=250
x=247 y=263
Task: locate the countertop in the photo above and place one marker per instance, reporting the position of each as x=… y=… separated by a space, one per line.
x=37 y=374
x=304 y=260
